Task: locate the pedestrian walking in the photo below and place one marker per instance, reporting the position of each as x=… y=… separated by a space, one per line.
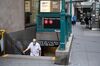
x=35 y=49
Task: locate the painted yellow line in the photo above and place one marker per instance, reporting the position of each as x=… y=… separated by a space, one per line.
x=53 y=58
x=5 y=55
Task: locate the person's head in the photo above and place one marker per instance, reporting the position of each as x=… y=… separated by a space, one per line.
x=34 y=41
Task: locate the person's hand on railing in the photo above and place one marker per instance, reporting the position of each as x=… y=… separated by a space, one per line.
x=24 y=52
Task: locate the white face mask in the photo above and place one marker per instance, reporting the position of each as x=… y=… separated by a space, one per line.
x=34 y=42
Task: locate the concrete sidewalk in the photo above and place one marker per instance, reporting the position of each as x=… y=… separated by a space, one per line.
x=85 y=47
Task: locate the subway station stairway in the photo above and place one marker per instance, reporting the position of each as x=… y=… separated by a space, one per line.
x=25 y=60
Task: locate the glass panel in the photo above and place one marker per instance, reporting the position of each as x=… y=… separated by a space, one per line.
x=45 y=6
x=27 y=6
x=50 y=6
x=55 y=6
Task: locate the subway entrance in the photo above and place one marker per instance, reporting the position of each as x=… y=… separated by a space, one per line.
x=16 y=42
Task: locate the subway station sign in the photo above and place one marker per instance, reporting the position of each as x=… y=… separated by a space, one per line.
x=50 y=43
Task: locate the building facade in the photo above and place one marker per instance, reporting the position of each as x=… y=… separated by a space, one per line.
x=13 y=14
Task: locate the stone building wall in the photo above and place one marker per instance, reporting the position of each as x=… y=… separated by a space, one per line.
x=12 y=15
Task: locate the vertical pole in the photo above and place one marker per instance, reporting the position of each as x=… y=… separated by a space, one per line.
x=37 y=23
x=62 y=28
x=2 y=41
x=71 y=7
x=70 y=16
x=37 y=17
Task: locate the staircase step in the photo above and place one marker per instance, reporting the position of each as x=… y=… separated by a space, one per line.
x=27 y=57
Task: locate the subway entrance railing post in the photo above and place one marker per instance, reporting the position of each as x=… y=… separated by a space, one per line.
x=70 y=16
x=62 y=28
x=65 y=21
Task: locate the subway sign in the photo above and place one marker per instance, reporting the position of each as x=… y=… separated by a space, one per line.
x=50 y=43
x=51 y=23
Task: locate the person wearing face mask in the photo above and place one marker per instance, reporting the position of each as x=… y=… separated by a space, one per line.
x=34 y=47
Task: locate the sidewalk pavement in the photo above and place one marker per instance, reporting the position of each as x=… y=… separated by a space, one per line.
x=85 y=47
